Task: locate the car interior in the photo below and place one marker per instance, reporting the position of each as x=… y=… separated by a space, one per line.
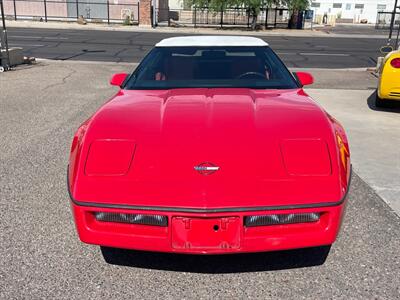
x=194 y=67
x=212 y=64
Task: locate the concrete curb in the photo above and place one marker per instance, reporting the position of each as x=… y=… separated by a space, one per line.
x=331 y=70
x=84 y=62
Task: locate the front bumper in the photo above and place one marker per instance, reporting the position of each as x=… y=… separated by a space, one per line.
x=172 y=238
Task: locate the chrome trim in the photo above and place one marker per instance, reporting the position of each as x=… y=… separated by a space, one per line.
x=201 y=168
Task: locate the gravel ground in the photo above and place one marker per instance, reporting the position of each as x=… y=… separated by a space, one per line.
x=41 y=257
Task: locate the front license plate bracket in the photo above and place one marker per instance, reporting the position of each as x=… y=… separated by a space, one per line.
x=206 y=233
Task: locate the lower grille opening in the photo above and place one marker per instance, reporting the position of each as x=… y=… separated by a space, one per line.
x=281 y=219
x=141 y=219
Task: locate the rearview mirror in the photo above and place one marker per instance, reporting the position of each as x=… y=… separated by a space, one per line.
x=304 y=78
x=118 y=79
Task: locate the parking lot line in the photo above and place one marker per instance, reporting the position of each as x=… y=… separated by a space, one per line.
x=323 y=54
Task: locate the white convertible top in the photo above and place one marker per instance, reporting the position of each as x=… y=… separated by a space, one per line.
x=211 y=40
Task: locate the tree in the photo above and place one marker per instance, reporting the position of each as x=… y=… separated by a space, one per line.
x=254 y=7
x=295 y=6
x=216 y=5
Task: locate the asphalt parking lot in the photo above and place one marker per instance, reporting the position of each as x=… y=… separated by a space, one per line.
x=40 y=108
x=131 y=45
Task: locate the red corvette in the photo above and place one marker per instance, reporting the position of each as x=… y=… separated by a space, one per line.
x=210 y=146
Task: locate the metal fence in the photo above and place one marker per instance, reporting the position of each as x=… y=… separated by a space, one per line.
x=233 y=17
x=117 y=11
x=384 y=18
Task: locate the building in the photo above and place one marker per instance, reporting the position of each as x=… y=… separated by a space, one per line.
x=140 y=12
x=350 y=11
x=134 y=11
x=116 y=10
x=179 y=4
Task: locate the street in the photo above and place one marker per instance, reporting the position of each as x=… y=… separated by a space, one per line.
x=124 y=46
x=42 y=105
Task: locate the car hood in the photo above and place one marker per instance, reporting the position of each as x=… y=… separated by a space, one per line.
x=273 y=147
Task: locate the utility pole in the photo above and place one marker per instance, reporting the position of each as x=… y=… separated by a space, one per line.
x=154 y=11
x=392 y=22
x=5 y=61
x=396 y=44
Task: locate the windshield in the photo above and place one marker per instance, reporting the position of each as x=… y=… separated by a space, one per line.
x=211 y=67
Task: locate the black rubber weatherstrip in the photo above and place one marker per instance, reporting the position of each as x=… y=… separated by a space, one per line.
x=209 y=210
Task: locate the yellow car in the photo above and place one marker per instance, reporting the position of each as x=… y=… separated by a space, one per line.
x=389 y=80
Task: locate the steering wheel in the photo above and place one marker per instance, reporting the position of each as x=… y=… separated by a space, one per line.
x=251 y=74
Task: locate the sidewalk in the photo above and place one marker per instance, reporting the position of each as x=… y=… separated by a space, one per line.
x=316 y=32
x=354 y=29
x=374 y=142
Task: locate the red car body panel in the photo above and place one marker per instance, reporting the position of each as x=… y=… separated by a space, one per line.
x=277 y=151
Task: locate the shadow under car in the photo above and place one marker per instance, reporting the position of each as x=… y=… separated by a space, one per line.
x=390 y=105
x=217 y=264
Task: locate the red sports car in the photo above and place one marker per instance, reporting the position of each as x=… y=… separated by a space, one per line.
x=210 y=146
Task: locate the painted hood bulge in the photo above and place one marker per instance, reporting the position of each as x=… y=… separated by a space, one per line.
x=271 y=148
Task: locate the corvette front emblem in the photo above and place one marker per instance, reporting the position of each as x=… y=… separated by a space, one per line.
x=206 y=168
